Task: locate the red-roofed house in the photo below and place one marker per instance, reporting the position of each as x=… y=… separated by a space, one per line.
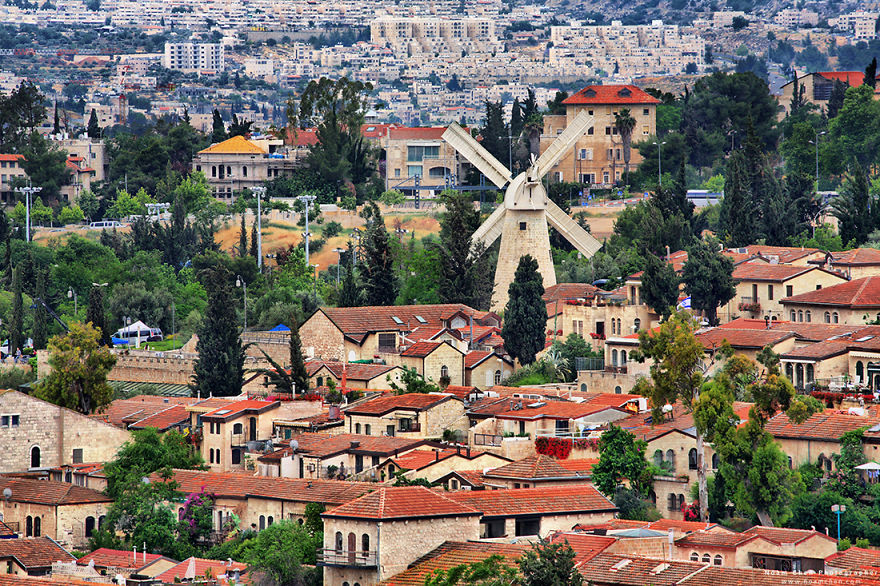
x=534 y=471
x=10 y=169
x=190 y=570
x=31 y=557
x=597 y=158
x=855 y=263
x=227 y=430
x=484 y=368
x=760 y=287
x=846 y=303
x=411 y=415
x=432 y=464
x=379 y=534
x=817 y=88
x=818 y=438
x=418 y=152
x=440 y=362
x=122 y=561
x=355 y=375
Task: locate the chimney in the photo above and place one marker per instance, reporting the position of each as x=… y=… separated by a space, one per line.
x=355 y=444
x=469 y=451
x=436 y=455
x=671 y=542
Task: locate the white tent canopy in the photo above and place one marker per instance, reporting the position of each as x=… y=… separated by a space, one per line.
x=869 y=466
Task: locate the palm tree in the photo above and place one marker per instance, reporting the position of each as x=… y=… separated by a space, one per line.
x=625 y=123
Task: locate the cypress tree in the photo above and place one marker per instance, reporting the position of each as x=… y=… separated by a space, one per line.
x=40 y=334
x=525 y=316
x=350 y=294
x=737 y=208
x=463 y=270
x=218 y=133
x=93 y=129
x=16 y=337
x=380 y=282
x=95 y=314
x=254 y=252
x=298 y=372
x=219 y=369
x=659 y=285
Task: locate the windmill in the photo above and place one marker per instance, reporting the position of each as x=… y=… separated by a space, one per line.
x=522 y=220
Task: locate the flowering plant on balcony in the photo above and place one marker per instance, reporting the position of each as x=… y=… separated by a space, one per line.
x=196 y=517
x=555 y=447
x=588 y=443
x=751 y=307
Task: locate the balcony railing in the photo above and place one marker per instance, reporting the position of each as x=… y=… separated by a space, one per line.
x=487 y=439
x=412 y=427
x=347 y=558
x=616 y=369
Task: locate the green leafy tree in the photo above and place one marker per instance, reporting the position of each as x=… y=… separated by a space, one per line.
x=278 y=377
x=708 y=279
x=492 y=571
x=412 y=382
x=239 y=127
x=71 y=215
x=660 y=285
x=550 y=563
x=856 y=208
x=88 y=203
x=218 y=128
x=278 y=554
x=525 y=316
x=219 y=369
x=45 y=165
x=16 y=326
x=392 y=197
x=621 y=457
x=570 y=350
x=78 y=379
x=380 y=282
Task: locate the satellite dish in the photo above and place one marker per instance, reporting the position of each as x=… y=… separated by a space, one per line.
x=7 y=493
x=294 y=445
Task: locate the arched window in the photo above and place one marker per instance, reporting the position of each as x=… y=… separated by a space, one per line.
x=444 y=372
x=229 y=170
x=262 y=522
x=714 y=461
x=614 y=358
x=238 y=429
x=583 y=387
x=788 y=371
x=692 y=459
x=617 y=390
x=790 y=464
x=320 y=381
x=367 y=429
x=671 y=502
x=860 y=372
x=800 y=315
x=357 y=427
x=695 y=557
x=807 y=318
x=497 y=377
x=213 y=170
x=653 y=497
x=37 y=523
x=613 y=326
x=101 y=521
x=365 y=543
x=718 y=561
x=338 y=542
x=35 y=457
x=29 y=526
x=680 y=502
x=90 y=526
x=827 y=317
x=269 y=521
x=810 y=371
x=623 y=357
x=670 y=459
x=793 y=315
x=619 y=327
x=707 y=558
x=834 y=318
x=658 y=458
x=637 y=324
x=211 y=455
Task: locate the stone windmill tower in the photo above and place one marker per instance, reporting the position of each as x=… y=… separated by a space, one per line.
x=522 y=220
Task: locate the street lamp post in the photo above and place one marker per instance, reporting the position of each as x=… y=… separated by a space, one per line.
x=838 y=510
x=307 y=201
x=72 y=293
x=659 y=163
x=339 y=252
x=260 y=191
x=732 y=134
x=239 y=282
x=28 y=192
x=816 y=143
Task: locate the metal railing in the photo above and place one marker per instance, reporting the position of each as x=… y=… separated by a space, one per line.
x=347 y=557
x=616 y=369
x=487 y=439
x=584 y=363
x=749 y=300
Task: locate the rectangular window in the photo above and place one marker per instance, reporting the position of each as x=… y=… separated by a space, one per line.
x=14 y=420
x=4 y=420
x=646 y=112
x=770 y=292
x=416 y=154
x=789 y=290
x=590 y=112
x=583 y=154
x=413 y=170
x=387 y=340
x=77 y=455
x=607 y=130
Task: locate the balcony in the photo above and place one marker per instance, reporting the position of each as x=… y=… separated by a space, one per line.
x=616 y=369
x=413 y=427
x=750 y=304
x=347 y=558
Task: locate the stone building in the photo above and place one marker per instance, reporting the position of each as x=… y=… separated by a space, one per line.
x=67 y=513
x=598 y=158
x=238 y=163
x=378 y=535
x=37 y=435
x=32 y=556
x=411 y=415
x=854 y=264
x=849 y=302
x=439 y=362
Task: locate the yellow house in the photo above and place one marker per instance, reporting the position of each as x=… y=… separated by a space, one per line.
x=853 y=302
x=351 y=375
x=410 y=415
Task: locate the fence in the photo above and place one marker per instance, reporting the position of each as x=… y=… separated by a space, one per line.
x=583 y=363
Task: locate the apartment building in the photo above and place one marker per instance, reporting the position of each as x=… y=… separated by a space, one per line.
x=194 y=57
x=861 y=24
x=10 y=170
x=238 y=163
x=425 y=34
x=791 y=18
x=598 y=158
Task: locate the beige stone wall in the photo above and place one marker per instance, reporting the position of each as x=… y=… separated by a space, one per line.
x=431 y=366
x=772 y=307
x=516 y=242
x=443 y=467
x=802 y=450
x=71 y=523
x=599 y=381
x=552 y=523
x=572 y=167
x=57 y=432
x=17 y=514
x=650 y=547
x=447 y=415
x=844 y=316
x=321 y=338
x=482 y=376
x=223 y=440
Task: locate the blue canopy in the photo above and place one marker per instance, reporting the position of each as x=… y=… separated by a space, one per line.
x=280 y=328
x=116 y=341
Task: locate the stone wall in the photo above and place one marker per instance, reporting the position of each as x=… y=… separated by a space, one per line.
x=56 y=432
x=321 y=338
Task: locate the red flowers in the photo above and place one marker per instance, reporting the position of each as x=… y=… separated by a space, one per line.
x=555 y=447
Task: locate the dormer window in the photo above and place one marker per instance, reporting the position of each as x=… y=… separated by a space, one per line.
x=590 y=93
x=625 y=92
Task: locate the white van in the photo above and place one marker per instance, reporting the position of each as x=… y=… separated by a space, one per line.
x=105 y=224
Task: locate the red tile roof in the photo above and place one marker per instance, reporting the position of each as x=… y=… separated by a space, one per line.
x=123 y=412
x=858 y=293
x=6 y=531
x=421 y=458
x=714 y=539
x=302 y=137
x=682 y=526
x=586 y=546
x=451 y=554
x=320 y=445
x=611 y=94
x=238 y=408
x=783 y=536
x=406 y=402
x=49 y=492
x=854 y=558
x=165 y=419
x=752 y=339
x=582 y=466
x=460 y=391
x=330 y=492
x=853 y=258
x=539 y=467
x=551 y=410
x=644 y=428
x=198 y=567
x=421 y=349
x=356 y=322
x=550 y=500
x=851 y=78
x=409 y=502
x=820 y=426
x=416 y=133
x=117 y=558
x=768 y=272
x=353 y=371
x=475 y=357
x=4 y=157
x=785 y=254
x=620 y=570
x=720 y=576
x=565 y=291
x=34 y=553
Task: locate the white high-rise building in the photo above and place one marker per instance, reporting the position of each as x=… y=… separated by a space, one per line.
x=194 y=57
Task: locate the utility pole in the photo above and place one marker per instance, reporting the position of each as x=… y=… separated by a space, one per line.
x=307 y=201
x=260 y=191
x=28 y=192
